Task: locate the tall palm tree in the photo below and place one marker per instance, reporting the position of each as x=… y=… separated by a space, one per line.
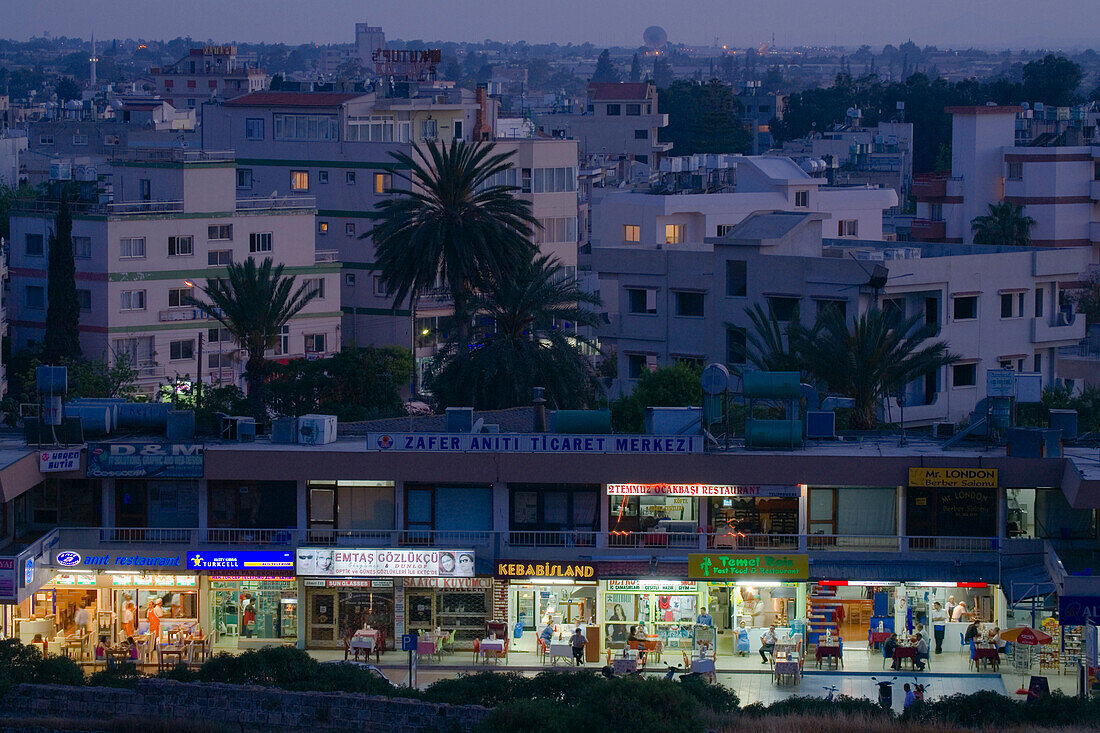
x=454 y=225
x=879 y=354
x=531 y=341
x=254 y=302
x=1005 y=224
x=771 y=346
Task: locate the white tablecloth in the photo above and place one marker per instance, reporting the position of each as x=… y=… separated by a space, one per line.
x=565 y=651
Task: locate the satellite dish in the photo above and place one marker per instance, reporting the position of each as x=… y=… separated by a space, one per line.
x=715 y=379
x=655 y=37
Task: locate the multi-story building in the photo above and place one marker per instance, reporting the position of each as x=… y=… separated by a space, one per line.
x=368 y=39
x=206 y=74
x=995 y=307
x=1059 y=186
x=619 y=119
x=175 y=222
x=13 y=146
x=758 y=109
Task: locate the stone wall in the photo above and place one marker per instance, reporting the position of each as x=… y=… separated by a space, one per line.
x=234 y=708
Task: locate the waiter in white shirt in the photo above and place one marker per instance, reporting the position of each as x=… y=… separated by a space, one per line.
x=939 y=625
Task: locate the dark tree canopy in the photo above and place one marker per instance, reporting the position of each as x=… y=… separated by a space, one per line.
x=61 y=342
x=605 y=69
x=703 y=118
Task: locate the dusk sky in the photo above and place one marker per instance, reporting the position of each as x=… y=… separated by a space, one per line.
x=944 y=23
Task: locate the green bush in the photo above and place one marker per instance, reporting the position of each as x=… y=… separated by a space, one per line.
x=818 y=706
x=59 y=671
x=180 y=673
x=481 y=688
x=125 y=675
x=544 y=716
x=21 y=663
x=712 y=697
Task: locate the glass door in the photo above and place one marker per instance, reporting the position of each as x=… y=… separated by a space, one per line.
x=525 y=609
x=420 y=607
x=322 y=619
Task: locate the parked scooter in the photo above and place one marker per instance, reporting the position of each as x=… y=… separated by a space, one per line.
x=885 y=692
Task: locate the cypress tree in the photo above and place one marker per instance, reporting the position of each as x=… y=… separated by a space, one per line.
x=61 y=342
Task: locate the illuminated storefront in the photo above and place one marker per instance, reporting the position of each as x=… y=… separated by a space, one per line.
x=253 y=594
x=561 y=594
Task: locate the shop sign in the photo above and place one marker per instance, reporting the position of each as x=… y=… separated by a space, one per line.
x=531 y=443
x=568 y=570
x=159 y=581
x=58 y=460
x=347 y=583
x=108 y=560
x=1078 y=610
x=73 y=579
x=145 y=460
x=450 y=583
x=701 y=490
x=962 y=478
x=241 y=560
x=325 y=561
x=720 y=566
x=273 y=578
x=7 y=579
x=653 y=586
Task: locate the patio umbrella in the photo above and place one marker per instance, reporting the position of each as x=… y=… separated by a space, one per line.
x=1028 y=637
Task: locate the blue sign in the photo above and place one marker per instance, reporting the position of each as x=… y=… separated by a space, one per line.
x=241 y=560
x=408 y=642
x=145 y=460
x=1078 y=610
x=68 y=558
x=28 y=571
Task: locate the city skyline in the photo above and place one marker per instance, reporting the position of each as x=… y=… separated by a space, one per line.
x=853 y=23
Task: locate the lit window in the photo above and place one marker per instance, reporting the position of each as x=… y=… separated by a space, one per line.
x=674 y=233
x=322 y=227
x=299 y=180
x=632 y=233
x=382 y=182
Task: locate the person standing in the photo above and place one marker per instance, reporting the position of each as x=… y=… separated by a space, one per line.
x=959 y=611
x=577 y=641
x=910 y=698
x=705 y=619
x=247 y=619
x=152 y=615
x=939 y=625
x=128 y=618
x=82 y=618
x=767 y=643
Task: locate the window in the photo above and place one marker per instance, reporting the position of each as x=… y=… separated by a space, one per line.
x=689 y=303
x=349 y=178
x=736 y=278
x=219 y=257
x=84 y=298
x=315 y=343
x=179 y=350
x=179 y=297
x=218 y=361
x=33 y=245
x=349 y=279
x=322 y=227
x=782 y=308
x=254 y=128
x=723 y=229
x=847 y=228
x=283 y=346
x=525 y=181
x=1012 y=305
x=641 y=134
x=642 y=300
x=556 y=229
x=636 y=365
x=735 y=346
x=82 y=248
x=131 y=247
x=380 y=286
x=614 y=110
x=219 y=231
x=802 y=199
x=305 y=127
x=633 y=110
x=322 y=176
x=1038 y=302
x=1015 y=171
x=632 y=233
x=674 y=233
x=315 y=285
x=964 y=375
x=146 y=187
x=641 y=158
x=132 y=300
x=35 y=297
x=191 y=82
x=45 y=139
x=1037 y=363
x=965 y=307
x=218 y=335
x=181 y=246
x=244 y=178
x=299 y=180
x=80 y=139
x=259 y=242
x=457 y=129
x=429 y=129
x=382 y=182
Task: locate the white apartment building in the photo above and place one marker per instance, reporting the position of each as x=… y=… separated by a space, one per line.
x=175 y=223
x=1059 y=187
x=754 y=183
x=206 y=74
x=996 y=307
x=12 y=149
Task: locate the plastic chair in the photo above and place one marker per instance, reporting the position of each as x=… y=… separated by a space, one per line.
x=448 y=644
x=884 y=657
x=973 y=651
x=541 y=648
x=477 y=648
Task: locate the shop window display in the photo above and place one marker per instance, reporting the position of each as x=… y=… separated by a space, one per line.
x=658 y=520
x=274 y=608
x=662 y=611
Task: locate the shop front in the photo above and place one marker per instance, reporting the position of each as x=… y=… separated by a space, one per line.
x=950 y=502
x=459 y=604
x=665 y=608
x=559 y=594
x=253 y=595
x=347 y=589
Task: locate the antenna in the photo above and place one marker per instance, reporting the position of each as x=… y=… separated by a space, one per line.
x=93 y=59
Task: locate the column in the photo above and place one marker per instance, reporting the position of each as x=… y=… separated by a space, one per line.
x=501 y=506
x=303 y=520
x=803 y=515
x=107 y=502
x=704 y=521
x=204 y=509
x=903 y=541
x=398 y=510
x=301 y=618
x=1002 y=513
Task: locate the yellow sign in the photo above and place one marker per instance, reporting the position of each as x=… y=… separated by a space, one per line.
x=722 y=566
x=963 y=478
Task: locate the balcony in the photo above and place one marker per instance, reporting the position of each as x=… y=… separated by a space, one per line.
x=1064 y=326
x=271 y=203
x=182 y=314
x=326 y=255
x=928 y=230
x=926 y=188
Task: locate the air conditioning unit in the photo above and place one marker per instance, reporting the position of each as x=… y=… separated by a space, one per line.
x=316 y=429
x=246 y=430
x=1065 y=317
x=820 y=425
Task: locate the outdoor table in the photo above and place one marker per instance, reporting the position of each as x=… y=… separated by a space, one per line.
x=702 y=666
x=824 y=652
x=905 y=652
x=786 y=666
x=877 y=637
x=363 y=641
x=169 y=655
x=560 y=651
x=427 y=648
x=492 y=646
x=624 y=665
x=988 y=653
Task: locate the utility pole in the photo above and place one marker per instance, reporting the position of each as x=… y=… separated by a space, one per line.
x=198 y=382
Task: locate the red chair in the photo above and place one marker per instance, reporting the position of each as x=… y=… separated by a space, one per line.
x=542 y=648
x=477 y=648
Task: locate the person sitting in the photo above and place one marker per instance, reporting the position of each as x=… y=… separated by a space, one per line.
x=101 y=649
x=972 y=632
x=767 y=643
x=995 y=639
x=922 y=652
x=131 y=646
x=888 y=648
x=39 y=641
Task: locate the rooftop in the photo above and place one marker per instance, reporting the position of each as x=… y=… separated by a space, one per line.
x=766 y=225
x=618 y=90
x=292 y=99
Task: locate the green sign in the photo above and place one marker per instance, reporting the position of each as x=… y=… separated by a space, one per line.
x=739 y=566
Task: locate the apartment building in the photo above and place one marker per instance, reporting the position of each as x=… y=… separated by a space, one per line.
x=205 y=74
x=13 y=147
x=996 y=307
x=1058 y=186
x=368 y=39
x=175 y=223
x=619 y=119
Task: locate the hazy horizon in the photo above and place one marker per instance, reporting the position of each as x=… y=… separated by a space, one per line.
x=990 y=24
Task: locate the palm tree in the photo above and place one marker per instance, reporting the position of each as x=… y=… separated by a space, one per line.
x=454 y=225
x=879 y=354
x=254 y=302
x=769 y=345
x=532 y=341
x=1005 y=224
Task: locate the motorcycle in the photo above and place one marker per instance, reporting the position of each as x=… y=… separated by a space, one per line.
x=885 y=692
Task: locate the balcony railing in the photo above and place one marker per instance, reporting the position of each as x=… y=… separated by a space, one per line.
x=929 y=187
x=326 y=255
x=182 y=314
x=928 y=229
x=266 y=203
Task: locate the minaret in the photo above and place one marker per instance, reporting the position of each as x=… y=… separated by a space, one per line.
x=93 y=59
